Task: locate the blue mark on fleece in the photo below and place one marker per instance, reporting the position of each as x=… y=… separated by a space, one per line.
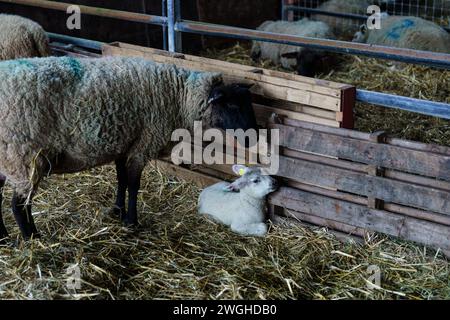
x=194 y=76
x=395 y=32
x=16 y=65
x=74 y=66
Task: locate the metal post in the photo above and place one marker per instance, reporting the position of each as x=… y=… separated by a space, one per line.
x=164 y=28
x=173 y=17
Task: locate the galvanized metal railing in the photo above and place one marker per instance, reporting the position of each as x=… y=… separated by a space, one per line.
x=176 y=26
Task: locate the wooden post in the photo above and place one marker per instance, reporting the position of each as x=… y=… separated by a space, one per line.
x=376 y=171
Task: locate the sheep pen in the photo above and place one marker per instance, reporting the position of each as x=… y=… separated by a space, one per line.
x=384 y=76
x=177 y=254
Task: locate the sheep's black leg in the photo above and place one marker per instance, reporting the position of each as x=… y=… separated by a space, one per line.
x=122 y=183
x=24 y=219
x=3 y=232
x=134 y=183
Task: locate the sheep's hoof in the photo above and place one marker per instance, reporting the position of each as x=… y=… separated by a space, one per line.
x=116 y=212
x=34 y=236
x=133 y=225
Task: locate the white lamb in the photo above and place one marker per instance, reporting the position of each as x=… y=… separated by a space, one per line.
x=241 y=204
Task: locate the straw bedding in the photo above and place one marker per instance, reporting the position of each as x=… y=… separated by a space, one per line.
x=178 y=254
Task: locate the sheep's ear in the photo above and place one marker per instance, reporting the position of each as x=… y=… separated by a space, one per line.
x=239 y=169
x=215 y=96
x=290 y=55
x=363 y=28
x=231 y=188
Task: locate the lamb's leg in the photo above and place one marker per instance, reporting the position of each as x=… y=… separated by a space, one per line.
x=122 y=183
x=134 y=173
x=252 y=229
x=3 y=231
x=24 y=219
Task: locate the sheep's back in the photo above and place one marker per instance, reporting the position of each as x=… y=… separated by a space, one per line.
x=302 y=28
x=412 y=33
x=22 y=38
x=91 y=110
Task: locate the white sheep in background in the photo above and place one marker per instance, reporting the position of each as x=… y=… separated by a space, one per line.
x=342 y=27
x=305 y=61
x=241 y=204
x=22 y=38
x=406 y=32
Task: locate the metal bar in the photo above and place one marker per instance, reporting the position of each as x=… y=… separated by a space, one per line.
x=430 y=108
x=440 y=60
x=164 y=28
x=327 y=13
x=173 y=16
x=334 y=14
x=85 y=43
x=95 y=11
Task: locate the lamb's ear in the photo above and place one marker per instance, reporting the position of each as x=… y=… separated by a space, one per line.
x=290 y=55
x=237 y=185
x=231 y=188
x=240 y=170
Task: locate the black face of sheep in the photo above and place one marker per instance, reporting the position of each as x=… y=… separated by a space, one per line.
x=308 y=62
x=230 y=108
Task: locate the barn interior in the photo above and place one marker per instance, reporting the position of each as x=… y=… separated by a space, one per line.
x=177 y=254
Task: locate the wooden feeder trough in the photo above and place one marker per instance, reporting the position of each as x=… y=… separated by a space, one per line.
x=348 y=181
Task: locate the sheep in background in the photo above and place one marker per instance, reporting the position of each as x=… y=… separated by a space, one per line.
x=305 y=61
x=22 y=38
x=406 y=32
x=343 y=28
x=63 y=115
x=241 y=204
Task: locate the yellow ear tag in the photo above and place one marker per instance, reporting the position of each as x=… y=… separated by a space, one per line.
x=241 y=172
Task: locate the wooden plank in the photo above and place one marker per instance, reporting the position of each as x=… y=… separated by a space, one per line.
x=414 y=145
x=371 y=186
x=297 y=107
x=408 y=211
x=419 y=214
x=328 y=223
x=433 y=234
x=348 y=100
x=383 y=155
x=270 y=89
x=282 y=78
x=340 y=236
x=201 y=180
x=420 y=180
x=264 y=112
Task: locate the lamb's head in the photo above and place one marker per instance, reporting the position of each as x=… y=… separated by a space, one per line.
x=361 y=35
x=230 y=107
x=253 y=182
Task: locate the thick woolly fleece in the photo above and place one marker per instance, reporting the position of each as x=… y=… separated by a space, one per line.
x=342 y=27
x=66 y=115
x=303 y=28
x=22 y=38
x=411 y=33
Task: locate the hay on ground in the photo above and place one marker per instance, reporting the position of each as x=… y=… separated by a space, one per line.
x=177 y=254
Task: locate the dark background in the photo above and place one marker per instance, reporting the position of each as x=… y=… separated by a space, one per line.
x=242 y=13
